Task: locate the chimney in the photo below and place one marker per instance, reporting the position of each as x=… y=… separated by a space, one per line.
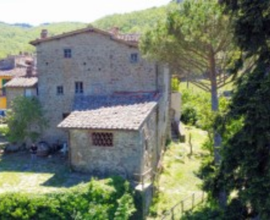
x=44 y=33
x=29 y=71
x=115 y=31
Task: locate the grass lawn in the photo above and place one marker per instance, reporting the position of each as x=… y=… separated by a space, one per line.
x=178 y=180
x=48 y=174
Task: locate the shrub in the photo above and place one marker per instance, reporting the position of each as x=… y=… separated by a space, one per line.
x=4 y=130
x=175 y=84
x=25 y=119
x=189 y=114
x=98 y=200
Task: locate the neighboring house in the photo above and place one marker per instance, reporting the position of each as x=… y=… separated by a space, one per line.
x=101 y=97
x=11 y=67
x=21 y=86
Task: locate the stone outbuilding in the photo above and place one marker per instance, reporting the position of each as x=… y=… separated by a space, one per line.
x=113 y=134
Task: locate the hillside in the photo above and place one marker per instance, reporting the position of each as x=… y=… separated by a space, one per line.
x=133 y=22
x=15 y=37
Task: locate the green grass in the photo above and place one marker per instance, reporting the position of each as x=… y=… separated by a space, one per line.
x=194 y=89
x=178 y=180
x=19 y=174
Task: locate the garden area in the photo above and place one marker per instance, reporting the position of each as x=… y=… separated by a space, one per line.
x=47 y=189
x=178 y=180
x=18 y=173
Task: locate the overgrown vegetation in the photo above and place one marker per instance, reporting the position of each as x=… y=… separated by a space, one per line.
x=108 y=199
x=178 y=179
x=25 y=120
x=244 y=169
x=175 y=83
x=196 y=107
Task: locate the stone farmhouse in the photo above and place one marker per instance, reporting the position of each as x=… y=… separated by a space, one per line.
x=109 y=104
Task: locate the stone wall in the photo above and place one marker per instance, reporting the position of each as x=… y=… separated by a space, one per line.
x=12 y=93
x=163 y=117
x=149 y=137
x=123 y=158
x=102 y=64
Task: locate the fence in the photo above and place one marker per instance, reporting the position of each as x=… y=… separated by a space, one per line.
x=189 y=203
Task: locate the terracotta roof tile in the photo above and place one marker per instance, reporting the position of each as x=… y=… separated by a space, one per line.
x=124 y=112
x=13 y=72
x=22 y=82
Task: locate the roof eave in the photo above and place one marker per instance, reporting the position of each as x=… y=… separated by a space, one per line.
x=79 y=31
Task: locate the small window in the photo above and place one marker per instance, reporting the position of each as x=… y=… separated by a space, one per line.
x=67 y=53
x=102 y=139
x=134 y=58
x=28 y=93
x=78 y=87
x=59 y=90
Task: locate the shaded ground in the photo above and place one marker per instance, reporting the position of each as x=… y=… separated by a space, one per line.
x=46 y=174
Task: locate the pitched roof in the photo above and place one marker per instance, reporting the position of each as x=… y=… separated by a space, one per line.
x=13 y=72
x=24 y=82
x=85 y=30
x=121 y=112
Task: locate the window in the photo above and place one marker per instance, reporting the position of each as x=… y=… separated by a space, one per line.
x=67 y=53
x=59 y=90
x=4 y=81
x=28 y=93
x=134 y=58
x=78 y=87
x=102 y=139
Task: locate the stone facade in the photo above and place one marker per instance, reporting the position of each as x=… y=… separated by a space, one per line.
x=102 y=64
x=105 y=67
x=124 y=157
x=13 y=92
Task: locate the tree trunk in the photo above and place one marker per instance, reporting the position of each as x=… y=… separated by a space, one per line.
x=222 y=196
x=215 y=108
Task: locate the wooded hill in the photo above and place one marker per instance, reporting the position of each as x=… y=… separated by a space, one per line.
x=15 y=37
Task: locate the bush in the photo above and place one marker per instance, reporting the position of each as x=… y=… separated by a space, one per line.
x=189 y=114
x=175 y=84
x=109 y=199
x=4 y=130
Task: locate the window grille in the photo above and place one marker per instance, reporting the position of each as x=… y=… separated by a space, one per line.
x=102 y=139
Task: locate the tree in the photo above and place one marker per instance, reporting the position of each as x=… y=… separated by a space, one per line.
x=196 y=42
x=25 y=119
x=245 y=167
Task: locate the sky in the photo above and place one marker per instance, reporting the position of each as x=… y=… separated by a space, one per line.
x=36 y=12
